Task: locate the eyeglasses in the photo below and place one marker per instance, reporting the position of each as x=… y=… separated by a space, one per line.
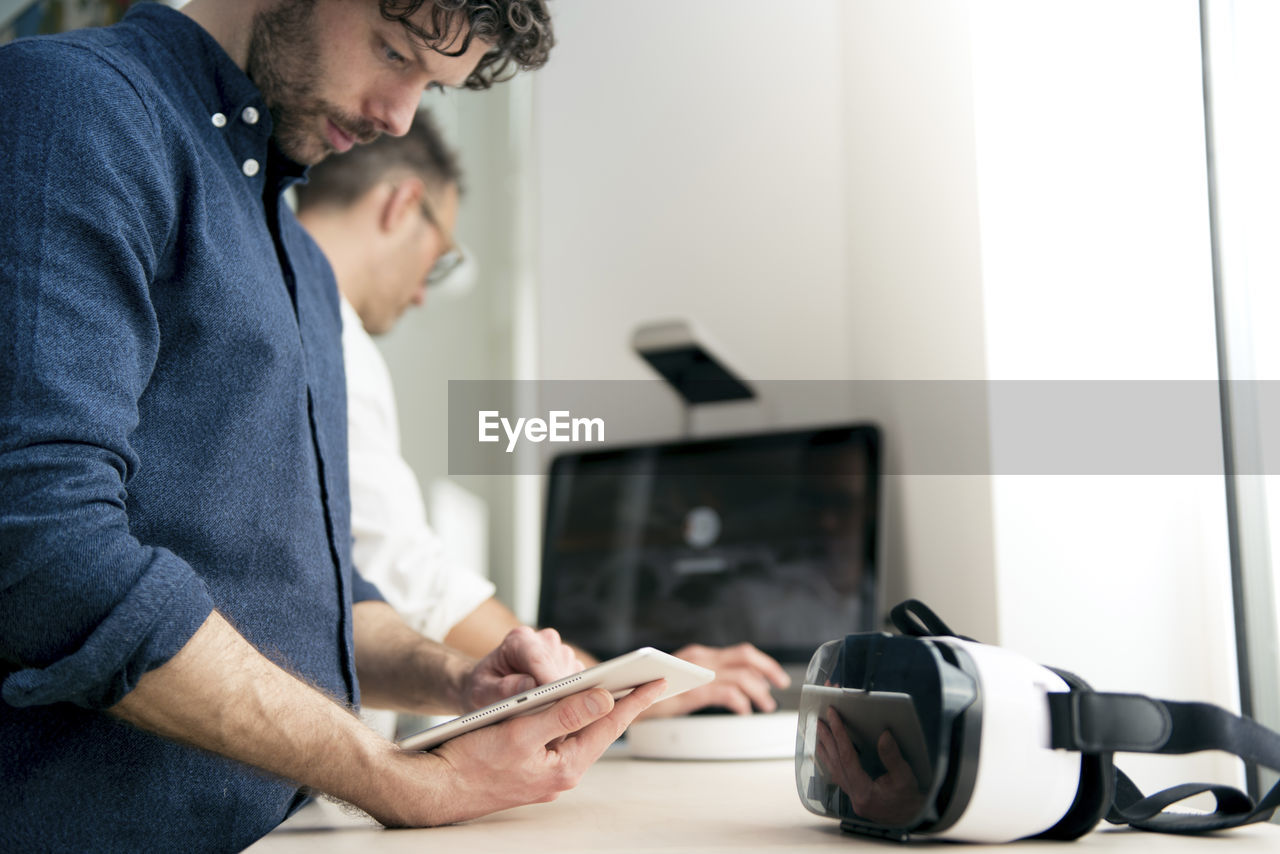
x=451 y=259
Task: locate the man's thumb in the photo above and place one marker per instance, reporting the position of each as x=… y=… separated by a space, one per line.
x=578 y=711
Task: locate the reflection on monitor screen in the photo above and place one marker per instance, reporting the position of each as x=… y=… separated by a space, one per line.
x=769 y=539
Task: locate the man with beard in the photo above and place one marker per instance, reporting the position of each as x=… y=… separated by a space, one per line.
x=182 y=635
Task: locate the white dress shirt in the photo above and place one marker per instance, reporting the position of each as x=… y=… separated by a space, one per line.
x=394 y=546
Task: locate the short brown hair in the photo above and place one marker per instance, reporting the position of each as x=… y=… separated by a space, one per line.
x=341 y=179
x=520 y=31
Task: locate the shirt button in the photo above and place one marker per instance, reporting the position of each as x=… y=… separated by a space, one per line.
x=250 y=167
x=250 y=115
x=219 y=120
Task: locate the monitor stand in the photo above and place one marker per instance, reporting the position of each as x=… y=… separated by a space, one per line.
x=767 y=735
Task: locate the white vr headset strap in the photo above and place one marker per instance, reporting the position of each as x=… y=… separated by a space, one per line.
x=1097 y=722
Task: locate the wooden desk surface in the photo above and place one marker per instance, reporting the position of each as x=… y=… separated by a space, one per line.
x=629 y=806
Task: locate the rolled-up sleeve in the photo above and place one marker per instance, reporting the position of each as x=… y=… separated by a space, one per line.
x=85 y=608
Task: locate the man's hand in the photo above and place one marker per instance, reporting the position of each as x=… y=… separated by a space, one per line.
x=743 y=673
x=894 y=798
x=743 y=677
x=527 y=759
x=400 y=669
x=525 y=659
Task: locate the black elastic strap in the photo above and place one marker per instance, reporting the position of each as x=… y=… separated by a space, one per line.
x=1094 y=722
x=915 y=619
x=1234 y=808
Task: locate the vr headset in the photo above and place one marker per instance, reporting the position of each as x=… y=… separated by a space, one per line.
x=933 y=734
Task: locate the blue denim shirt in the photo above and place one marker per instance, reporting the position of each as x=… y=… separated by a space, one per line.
x=172 y=429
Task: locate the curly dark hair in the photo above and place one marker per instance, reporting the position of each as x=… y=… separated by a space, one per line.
x=520 y=31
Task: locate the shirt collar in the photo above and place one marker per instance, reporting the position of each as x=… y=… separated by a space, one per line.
x=210 y=72
x=230 y=99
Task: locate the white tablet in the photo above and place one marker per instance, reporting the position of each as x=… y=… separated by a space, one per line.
x=618 y=675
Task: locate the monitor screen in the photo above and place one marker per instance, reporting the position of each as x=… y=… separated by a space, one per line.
x=769 y=539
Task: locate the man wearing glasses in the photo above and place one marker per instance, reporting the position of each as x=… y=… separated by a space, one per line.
x=385 y=214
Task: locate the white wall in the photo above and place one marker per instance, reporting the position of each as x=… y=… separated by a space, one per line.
x=914 y=283
x=667 y=136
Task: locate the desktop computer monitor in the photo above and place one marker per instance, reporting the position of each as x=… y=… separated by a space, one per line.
x=769 y=538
